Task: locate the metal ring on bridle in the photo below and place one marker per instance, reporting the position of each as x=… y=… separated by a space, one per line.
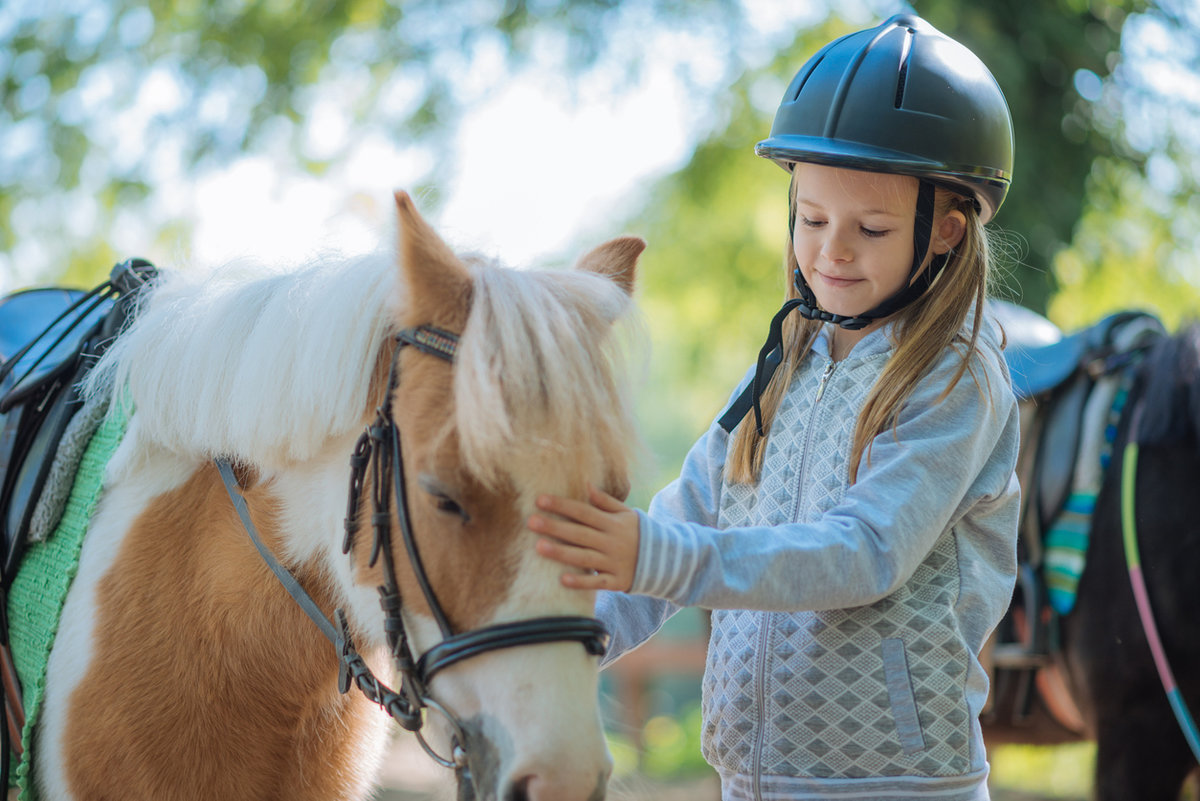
x=458 y=752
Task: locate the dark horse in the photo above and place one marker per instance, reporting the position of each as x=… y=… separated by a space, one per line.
x=1098 y=654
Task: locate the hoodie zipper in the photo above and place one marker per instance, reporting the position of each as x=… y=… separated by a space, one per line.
x=811 y=429
x=824 y=380
x=765 y=633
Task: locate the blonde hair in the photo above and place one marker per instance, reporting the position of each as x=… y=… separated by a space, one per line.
x=924 y=329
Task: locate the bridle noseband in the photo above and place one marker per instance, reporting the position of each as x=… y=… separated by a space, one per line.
x=378 y=453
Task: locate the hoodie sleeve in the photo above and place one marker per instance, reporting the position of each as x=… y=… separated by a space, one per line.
x=947 y=458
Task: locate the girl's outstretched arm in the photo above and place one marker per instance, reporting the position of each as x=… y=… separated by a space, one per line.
x=599 y=537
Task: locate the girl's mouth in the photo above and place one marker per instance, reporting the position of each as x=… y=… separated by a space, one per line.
x=836 y=281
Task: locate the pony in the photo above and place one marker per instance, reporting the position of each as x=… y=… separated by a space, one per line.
x=1100 y=680
x=183 y=669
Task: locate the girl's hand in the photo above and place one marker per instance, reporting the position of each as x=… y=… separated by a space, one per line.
x=599 y=537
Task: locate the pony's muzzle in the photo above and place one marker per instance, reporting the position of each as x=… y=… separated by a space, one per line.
x=493 y=775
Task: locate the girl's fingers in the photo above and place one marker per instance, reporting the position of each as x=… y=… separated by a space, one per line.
x=603 y=501
x=586 y=536
x=568 y=532
x=577 y=511
x=570 y=555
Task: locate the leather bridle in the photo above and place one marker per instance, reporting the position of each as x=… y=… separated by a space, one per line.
x=378 y=453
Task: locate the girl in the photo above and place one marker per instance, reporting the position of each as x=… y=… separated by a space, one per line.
x=852 y=519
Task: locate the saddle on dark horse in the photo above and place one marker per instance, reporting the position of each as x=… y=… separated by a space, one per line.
x=49 y=339
x=1054 y=377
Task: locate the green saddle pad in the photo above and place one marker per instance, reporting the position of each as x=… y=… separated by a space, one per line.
x=40 y=586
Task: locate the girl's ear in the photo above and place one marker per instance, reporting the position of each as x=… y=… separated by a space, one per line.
x=950 y=231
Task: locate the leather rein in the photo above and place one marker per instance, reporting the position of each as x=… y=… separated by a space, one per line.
x=379 y=449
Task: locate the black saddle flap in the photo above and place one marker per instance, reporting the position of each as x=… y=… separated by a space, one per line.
x=49 y=339
x=31 y=356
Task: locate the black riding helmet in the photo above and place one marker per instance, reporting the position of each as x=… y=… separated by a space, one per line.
x=899 y=98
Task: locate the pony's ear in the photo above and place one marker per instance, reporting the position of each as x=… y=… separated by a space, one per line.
x=435 y=277
x=616 y=259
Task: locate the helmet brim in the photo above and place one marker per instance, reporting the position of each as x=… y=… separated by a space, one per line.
x=986 y=186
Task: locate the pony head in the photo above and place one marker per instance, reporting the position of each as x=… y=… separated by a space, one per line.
x=532 y=403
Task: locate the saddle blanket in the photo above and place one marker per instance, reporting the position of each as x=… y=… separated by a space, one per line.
x=1067 y=538
x=40 y=587
x=50 y=505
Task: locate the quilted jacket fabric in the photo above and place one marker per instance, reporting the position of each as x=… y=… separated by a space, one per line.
x=847 y=619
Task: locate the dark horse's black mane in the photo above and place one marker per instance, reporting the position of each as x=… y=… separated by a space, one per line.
x=1168 y=387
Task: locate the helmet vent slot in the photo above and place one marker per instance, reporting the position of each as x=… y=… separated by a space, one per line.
x=813 y=68
x=902 y=77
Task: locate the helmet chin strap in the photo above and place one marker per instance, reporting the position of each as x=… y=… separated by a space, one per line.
x=771 y=354
x=917 y=282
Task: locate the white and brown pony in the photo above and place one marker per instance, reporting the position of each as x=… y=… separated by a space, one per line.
x=182 y=668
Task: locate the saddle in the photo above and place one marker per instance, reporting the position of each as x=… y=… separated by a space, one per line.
x=49 y=339
x=1053 y=376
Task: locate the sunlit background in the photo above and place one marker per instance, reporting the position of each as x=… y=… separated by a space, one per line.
x=111 y=136
x=194 y=133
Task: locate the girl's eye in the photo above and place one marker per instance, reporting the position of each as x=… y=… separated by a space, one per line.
x=874 y=233
x=807 y=223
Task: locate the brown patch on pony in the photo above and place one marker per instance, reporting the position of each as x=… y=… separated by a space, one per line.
x=207 y=680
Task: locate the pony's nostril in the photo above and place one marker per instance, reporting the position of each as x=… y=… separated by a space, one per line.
x=553 y=787
x=520 y=789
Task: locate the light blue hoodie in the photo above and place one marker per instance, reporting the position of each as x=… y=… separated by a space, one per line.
x=847 y=619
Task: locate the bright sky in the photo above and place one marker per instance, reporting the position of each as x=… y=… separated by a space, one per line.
x=537 y=168
x=532 y=173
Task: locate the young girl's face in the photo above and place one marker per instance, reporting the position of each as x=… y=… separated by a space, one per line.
x=854 y=235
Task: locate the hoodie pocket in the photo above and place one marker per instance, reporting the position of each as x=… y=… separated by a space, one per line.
x=900 y=694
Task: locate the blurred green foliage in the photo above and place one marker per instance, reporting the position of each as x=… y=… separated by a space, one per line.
x=670 y=747
x=1130 y=251
x=1040 y=54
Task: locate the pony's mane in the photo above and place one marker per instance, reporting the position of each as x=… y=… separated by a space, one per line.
x=264 y=370
x=268 y=370
x=540 y=388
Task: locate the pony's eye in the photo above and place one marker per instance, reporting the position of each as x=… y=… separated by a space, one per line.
x=443 y=500
x=446 y=504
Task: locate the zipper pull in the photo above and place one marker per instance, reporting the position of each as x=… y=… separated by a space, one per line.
x=825 y=379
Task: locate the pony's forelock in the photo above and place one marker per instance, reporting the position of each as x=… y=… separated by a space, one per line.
x=540 y=360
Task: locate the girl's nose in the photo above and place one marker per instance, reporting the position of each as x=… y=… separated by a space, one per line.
x=835 y=248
